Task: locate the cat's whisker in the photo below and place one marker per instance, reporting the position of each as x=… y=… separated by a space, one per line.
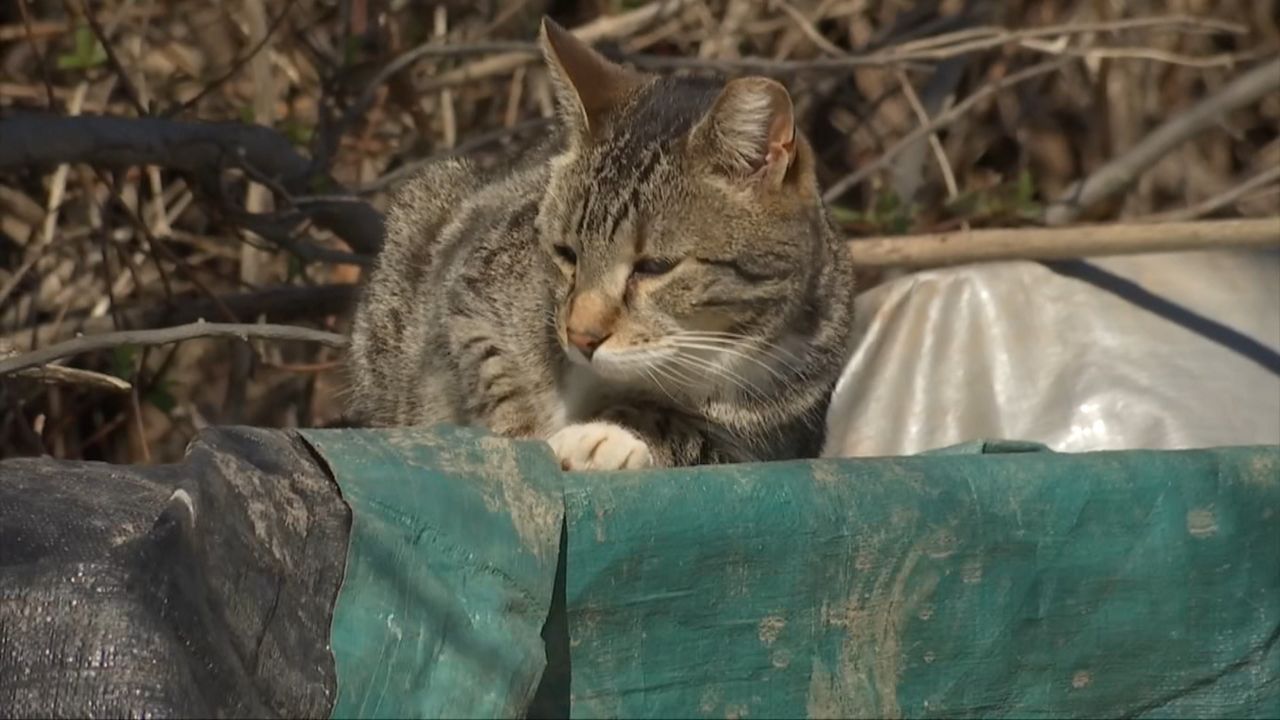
x=649 y=373
x=769 y=349
x=680 y=377
x=745 y=339
x=784 y=383
x=777 y=354
x=682 y=380
x=552 y=318
x=731 y=350
x=719 y=371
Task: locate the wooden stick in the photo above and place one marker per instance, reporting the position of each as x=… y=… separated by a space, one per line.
x=1079 y=241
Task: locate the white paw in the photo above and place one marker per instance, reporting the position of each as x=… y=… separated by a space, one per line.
x=599 y=446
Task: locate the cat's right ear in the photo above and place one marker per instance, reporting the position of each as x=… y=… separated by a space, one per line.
x=588 y=86
x=750 y=131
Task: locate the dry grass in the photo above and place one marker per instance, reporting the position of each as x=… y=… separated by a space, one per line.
x=85 y=248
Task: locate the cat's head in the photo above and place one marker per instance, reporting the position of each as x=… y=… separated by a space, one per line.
x=684 y=221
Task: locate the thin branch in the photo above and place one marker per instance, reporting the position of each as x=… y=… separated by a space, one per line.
x=157 y=244
x=407 y=170
x=1217 y=201
x=807 y=29
x=279 y=304
x=433 y=48
x=922 y=116
x=166 y=336
x=16 y=278
x=1187 y=23
x=236 y=66
x=197 y=148
x=1118 y=174
x=53 y=28
x=935 y=48
x=113 y=60
x=944 y=119
x=1150 y=54
x=35 y=52
x=603 y=28
x=59 y=375
x=1062 y=243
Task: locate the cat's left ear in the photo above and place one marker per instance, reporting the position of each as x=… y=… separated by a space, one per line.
x=588 y=86
x=750 y=131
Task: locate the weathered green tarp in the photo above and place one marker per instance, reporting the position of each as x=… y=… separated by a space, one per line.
x=1004 y=584
x=450 y=566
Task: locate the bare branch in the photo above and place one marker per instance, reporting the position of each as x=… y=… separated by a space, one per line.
x=407 y=170
x=603 y=28
x=955 y=113
x=1062 y=243
x=280 y=304
x=35 y=51
x=113 y=60
x=938 y=47
x=197 y=148
x=59 y=375
x=236 y=66
x=1120 y=173
x=1214 y=203
x=166 y=336
x=434 y=48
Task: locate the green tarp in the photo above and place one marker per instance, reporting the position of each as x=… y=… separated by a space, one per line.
x=450 y=566
x=1009 y=583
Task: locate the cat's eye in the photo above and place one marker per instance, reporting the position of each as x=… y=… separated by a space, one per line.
x=652 y=267
x=566 y=253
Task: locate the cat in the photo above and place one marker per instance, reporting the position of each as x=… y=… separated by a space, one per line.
x=659 y=284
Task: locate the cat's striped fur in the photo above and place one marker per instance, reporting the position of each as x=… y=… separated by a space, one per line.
x=659 y=284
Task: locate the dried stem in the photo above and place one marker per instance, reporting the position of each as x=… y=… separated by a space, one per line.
x=200 y=149
x=1121 y=172
x=166 y=336
x=955 y=113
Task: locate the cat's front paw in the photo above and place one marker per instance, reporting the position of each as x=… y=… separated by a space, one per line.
x=599 y=446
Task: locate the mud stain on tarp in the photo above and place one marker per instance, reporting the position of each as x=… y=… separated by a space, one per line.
x=506 y=474
x=770 y=628
x=1264 y=470
x=535 y=514
x=863 y=681
x=1202 y=522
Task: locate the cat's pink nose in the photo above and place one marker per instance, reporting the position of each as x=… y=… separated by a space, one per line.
x=587 y=342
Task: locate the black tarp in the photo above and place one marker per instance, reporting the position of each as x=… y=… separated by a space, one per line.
x=201 y=589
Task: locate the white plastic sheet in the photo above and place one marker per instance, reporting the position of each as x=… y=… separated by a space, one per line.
x=1017 y=351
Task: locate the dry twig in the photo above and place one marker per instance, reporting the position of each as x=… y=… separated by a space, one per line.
x=59 y=375
x=955 y=113
x=604 y=28
x=166 y=336
x=1118 y=174
x=1220 y=200
x=281 y=304
x=200 y=149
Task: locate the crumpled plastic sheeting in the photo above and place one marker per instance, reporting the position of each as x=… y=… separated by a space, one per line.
x=1017 y=351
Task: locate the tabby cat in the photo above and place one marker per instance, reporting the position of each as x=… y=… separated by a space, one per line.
x=658 y=285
